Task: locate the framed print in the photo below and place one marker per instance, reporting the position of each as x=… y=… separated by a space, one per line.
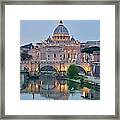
x=60 y=60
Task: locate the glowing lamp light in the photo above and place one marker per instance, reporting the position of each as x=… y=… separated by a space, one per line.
x=29 y=88
x=62 y=88
x=41 y=82
x=86 y=90
x=87 y=68
x=65 y=88
x=56 y=84
x=58 y=88
x=65 y=68
x=37 y=88
x=36 y=85
x=33 y=88
x=36 y=68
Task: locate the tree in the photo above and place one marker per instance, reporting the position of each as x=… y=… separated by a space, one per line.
x=25 y=56
x=72 y=71
x=90 y=49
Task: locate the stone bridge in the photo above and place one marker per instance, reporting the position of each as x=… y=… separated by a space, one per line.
x=53 y=66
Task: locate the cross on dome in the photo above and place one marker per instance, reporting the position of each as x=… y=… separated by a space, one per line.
x=61 y=22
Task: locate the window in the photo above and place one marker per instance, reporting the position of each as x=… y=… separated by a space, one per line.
x=54 y=55
x=68 y=55
x=64 y=56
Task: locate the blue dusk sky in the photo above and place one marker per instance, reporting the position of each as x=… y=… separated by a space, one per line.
x=32 y=31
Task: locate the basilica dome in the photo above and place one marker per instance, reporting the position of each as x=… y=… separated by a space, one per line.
x=61 y=33
x=61 y=29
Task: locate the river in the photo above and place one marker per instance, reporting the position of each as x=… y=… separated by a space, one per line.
x=49 y=87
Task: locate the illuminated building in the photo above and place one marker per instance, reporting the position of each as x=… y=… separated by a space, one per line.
x=60 y=48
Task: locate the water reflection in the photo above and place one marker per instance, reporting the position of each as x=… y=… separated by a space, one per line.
x=50 y=87
x=53 y=89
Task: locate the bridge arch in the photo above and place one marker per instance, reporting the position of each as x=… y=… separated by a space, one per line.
x=48 y=68
x=82 y=70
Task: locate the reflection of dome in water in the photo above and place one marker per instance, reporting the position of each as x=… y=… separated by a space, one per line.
x=61 y=29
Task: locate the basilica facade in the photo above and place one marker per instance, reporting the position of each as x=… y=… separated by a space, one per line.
x=58 y=49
